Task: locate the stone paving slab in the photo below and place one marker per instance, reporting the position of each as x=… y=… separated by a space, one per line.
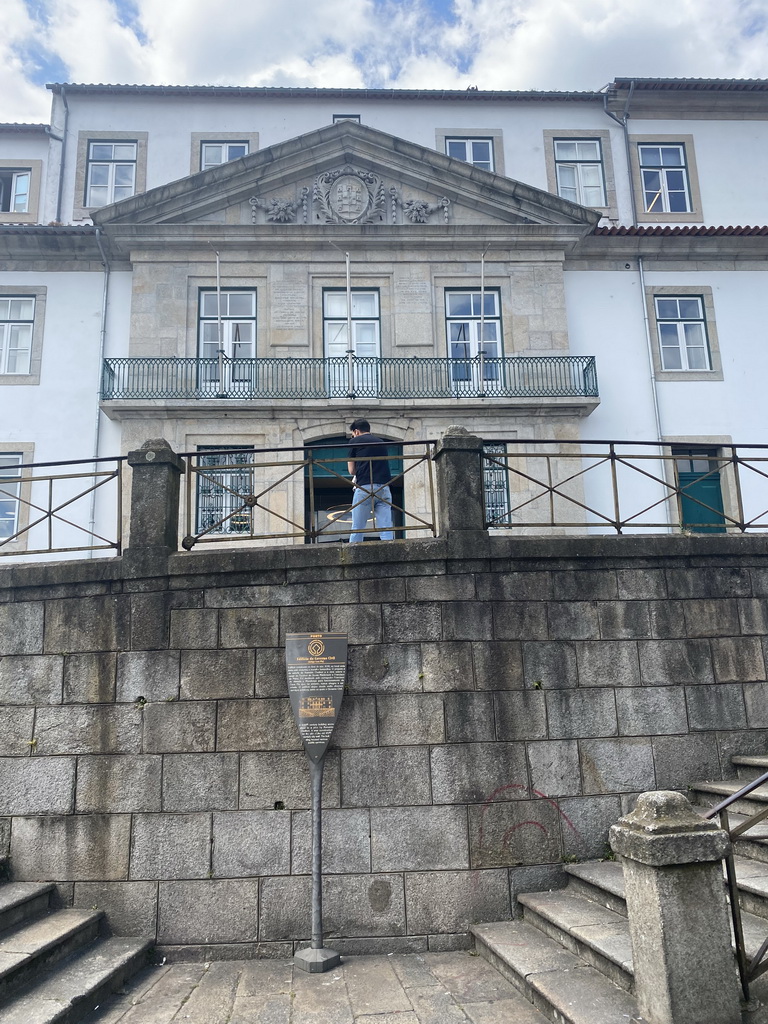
x=429 y=988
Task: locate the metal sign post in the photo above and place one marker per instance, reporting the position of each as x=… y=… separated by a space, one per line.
x=316 y=665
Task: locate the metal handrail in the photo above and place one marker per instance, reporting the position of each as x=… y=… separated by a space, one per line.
x=172 y=377
x=752 y=969
x=303 y=463
x=555 y=495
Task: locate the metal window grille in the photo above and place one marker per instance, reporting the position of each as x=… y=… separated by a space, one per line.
x=495 y=484
x=224 y=480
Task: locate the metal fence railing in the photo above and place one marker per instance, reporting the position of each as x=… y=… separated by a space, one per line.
x=629 y=486
x=271 y=494
x=359 y=377
x=50 y=507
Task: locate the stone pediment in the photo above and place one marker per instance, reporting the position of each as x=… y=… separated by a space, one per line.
x=346 y=174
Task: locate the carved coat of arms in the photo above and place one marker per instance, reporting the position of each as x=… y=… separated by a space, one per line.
x=350 y=196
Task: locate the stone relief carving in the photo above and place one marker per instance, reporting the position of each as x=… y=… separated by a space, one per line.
x=347 y=195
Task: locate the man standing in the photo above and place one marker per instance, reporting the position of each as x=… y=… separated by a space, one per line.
x=369 y=468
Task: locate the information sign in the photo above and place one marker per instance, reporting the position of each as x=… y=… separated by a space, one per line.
x=316 y=664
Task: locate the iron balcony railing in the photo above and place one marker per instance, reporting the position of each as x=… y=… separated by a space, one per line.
x=358 y=377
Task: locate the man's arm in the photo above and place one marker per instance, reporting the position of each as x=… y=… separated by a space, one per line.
x=351 y=468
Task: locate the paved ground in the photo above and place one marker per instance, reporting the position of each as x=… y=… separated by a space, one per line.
x=432 y=988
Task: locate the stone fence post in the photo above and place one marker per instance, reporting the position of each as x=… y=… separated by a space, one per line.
x=154 y=512
x=459 y=470
x=685 y=969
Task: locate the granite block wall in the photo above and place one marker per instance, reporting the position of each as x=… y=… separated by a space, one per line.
x=507 y=699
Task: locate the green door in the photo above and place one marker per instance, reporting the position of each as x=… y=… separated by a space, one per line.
x=701 y=498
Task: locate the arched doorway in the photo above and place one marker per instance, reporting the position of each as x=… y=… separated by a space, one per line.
x=328 y=490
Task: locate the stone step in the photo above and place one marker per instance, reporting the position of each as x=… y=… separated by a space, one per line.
x=709 y=794
x=752 y=845
x=597 y=935
x=599 y=880
x=34 y=947
x=752 y=879
x=750 y=766
x=72 y=989
x=558 y=983
x=22 y=901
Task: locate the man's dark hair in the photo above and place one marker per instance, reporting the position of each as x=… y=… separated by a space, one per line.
x=363 y=425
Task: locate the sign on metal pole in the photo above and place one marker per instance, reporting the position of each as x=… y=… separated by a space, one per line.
x=316 y=666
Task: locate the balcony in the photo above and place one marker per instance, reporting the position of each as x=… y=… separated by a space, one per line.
x=552 y=377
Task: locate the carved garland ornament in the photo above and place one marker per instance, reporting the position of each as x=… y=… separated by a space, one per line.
x=347 y=196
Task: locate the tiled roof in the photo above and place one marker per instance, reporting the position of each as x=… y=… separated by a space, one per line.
x=18 y=126
x=657 y=229
x=290 y=91
x=697 y=84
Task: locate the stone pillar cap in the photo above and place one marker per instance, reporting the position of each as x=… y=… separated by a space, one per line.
x=665 y=812
x=664 y=829
x=156 y=450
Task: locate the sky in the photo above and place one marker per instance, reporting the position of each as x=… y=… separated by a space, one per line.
x=424 y=44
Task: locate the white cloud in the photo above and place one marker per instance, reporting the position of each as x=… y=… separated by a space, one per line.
x=494 y=44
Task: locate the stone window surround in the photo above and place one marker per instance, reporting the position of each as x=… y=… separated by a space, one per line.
x=82 y=212
x=611 y=209
x=320 y=283
x=707 y=298
x=695 y=215
x=229 y=283
x=494 y=134
x=35 y=167
x=336 y=118
x=727 y=489
x=27 y=451
x=36 y=355
x=443 y=283
x=198 y=138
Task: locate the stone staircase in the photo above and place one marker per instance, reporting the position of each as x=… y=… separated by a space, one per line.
x=57 y=965
x=569 y=951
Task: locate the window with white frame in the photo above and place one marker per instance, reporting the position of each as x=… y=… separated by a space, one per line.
x=10 y=491
x=364 y=344
x=15 y=187
x=664 y=178
x=17 y=318
x=224 y=480
x=346 y=117
x=235 y=330
x=682 y=331
x=111 y=172
x=214 y=153
x=478 y=152
x=579 y=171
x=473 y=327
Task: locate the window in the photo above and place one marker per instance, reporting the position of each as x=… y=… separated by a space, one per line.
x=15 y=187
x=665 y=179
x=10 y=491
x=110 y=166
x=682 y=332
x=495 y=484
x=346 y=117
x=365 y=342
x=224 y=481
x=237 y=340
x=111 y=174
x=478 y=152
x=17 y=318
x=579 y=171
x=214 y=153
x=471 y=333
x=20 y=191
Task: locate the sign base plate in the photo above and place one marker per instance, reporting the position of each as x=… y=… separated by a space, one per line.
x=316 y=961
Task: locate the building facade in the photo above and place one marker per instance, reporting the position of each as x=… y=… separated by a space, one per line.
x=236 y=268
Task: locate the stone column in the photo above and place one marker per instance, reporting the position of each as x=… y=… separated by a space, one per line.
x=458 y=461
x=685 y=969
x=154 y=515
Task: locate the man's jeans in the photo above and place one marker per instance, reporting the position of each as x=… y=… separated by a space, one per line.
x=367 y=501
